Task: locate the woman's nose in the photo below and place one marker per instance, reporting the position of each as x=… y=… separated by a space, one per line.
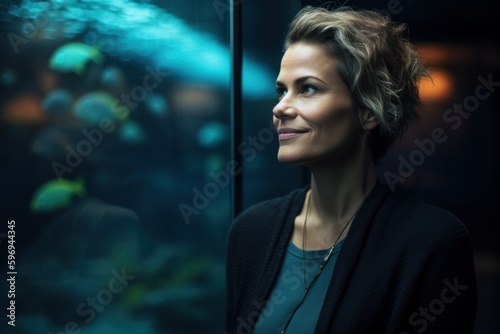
x=284 y=109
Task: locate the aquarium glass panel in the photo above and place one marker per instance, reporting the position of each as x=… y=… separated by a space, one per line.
x=115 y=139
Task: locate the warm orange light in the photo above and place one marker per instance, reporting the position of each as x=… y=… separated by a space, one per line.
x=439 y=88
x=23 y=109
x=441 y=54
x=194 y=99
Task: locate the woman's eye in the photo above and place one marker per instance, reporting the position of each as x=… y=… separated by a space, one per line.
x=281 y=92
x=310 y=89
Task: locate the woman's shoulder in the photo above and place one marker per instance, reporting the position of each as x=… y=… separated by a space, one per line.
x=418 y=217
x=414 y=207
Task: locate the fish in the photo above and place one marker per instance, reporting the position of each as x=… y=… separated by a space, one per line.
x=56 y=194
x=50 y=142
x=95 y=106
x=157 y=104
x=112 y=78
x=132 y=132
x=73 y=57
x=150 y=35
x=212 y=134
x=57 y=102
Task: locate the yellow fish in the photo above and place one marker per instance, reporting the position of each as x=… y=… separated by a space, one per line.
x=56 y=194
x=73 y=57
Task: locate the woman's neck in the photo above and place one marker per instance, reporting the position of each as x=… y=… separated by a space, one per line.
x=337 y=191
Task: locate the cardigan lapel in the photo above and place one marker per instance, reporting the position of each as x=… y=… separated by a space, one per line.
x=349 y=255
x=280 y=231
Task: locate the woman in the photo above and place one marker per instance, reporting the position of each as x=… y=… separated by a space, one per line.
x=344 y=254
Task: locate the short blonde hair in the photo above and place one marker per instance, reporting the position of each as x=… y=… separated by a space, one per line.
x=376 y=61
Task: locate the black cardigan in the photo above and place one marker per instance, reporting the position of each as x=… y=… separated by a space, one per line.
x=405 y=267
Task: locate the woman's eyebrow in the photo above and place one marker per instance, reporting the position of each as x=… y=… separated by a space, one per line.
x=300 y=80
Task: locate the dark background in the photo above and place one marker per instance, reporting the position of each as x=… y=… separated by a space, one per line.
x=133 y=191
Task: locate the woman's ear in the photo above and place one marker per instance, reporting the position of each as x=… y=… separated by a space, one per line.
x=368 y=119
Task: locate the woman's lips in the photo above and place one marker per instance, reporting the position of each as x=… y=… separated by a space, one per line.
x=287 y=133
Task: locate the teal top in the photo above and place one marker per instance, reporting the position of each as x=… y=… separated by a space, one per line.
x=289 y=290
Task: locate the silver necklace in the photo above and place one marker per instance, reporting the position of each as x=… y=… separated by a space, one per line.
x=325 y=259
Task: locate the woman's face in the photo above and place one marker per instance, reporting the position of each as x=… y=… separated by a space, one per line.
x=315 y=116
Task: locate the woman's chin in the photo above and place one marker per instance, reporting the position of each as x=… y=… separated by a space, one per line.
x=290 y=159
